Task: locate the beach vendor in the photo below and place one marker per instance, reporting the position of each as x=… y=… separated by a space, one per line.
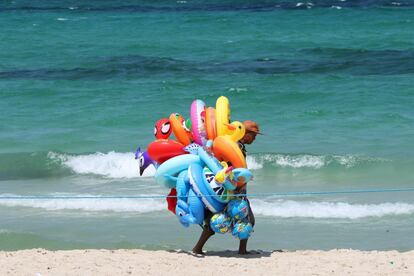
x=252 y=129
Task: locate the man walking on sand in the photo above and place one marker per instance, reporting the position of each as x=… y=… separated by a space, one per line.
x=252 y=129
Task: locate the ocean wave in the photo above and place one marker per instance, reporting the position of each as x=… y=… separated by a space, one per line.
x=253 y=163
x=277 y=209
x=336 y=210
x=211 y=6
x=144 y=205
x=29 y=166
x=123 y=164
x=298 y=161
x=330 y=60
x=111 y=164
x=114 y=164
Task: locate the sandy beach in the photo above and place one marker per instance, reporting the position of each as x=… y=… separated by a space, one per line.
x=137 y=262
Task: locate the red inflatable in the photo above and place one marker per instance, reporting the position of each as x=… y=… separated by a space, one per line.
x=172 y=200
x=162 y=129
x=162 y=149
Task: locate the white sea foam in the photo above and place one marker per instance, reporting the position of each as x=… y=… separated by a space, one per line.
x=307 y=4
x=141 y=205
x=61 y=19
x=307 y=160
x=111 y=164
x=123 y=165
x=292 y=161
x=253 y=164
x=237 y=89
x=310 y=209
x=277 y=209
x=301 y=161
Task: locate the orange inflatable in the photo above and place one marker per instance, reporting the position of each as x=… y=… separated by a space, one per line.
x=181 y=132
x=227 y=150
x=210 y=123
x=225 y=147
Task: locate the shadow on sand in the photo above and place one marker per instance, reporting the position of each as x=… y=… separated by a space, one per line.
x=253 y=254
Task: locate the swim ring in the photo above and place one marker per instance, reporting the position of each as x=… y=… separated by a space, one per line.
x=197 y=115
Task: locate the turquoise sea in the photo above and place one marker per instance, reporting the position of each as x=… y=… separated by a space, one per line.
x=331 y=83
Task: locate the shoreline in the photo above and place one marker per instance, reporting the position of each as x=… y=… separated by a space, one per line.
x=137 y=261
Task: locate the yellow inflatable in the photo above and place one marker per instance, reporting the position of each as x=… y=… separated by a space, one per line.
x=222 y=115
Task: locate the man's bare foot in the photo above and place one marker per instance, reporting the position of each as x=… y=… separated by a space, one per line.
x=198 y=251
x=244 y=252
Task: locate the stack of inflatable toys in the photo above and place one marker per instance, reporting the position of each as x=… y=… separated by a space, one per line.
x=203 y=167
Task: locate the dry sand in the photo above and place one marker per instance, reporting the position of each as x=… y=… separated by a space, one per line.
x=137 y=262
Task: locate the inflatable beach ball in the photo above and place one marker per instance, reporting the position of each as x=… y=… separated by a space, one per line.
x=220 y=223
x=242 y=230
x=238 y=209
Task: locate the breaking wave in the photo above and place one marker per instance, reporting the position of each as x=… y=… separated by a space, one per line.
x=310 y=161
x=277 y=209
x=123 y=164
x=111 y=164
x=338 y=210
x=144 y=205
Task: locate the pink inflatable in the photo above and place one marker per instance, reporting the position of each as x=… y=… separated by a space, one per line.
x=197 y=115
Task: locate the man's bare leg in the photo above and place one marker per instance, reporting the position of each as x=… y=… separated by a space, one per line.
x=243 y=243
x=243 y=247
x=205 y=235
